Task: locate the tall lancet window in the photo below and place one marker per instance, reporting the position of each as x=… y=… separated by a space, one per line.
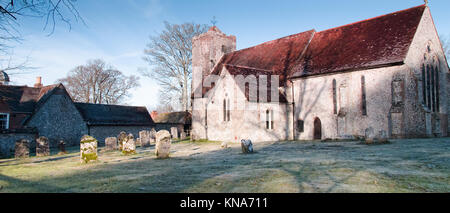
x=424 y=85
x=437 y=89
x=363 y=96
x=224 y=109
x=228 y=110
x=269 y=119
x=334 y=97
x=428 y=74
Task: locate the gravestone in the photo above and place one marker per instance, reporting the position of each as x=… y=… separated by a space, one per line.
x=88 y=149
x=224 y=145
x=62 y=148
x=382 y=137
x=174 y=132
x=152 y=136
x=122 y=136
x=42 y=147
x=138 y=142
x=129 y=145
x=22 y=149
x=369 y=135
x=111 y=144
x=163 y=143
x=247 y=146
x=145 y=138
x=183 y=136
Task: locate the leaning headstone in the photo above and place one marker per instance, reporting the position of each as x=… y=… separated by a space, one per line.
x=88 y=149
x=224 y=145
x=152 y=136
x=174 y=132
x=111 y=144
x=369 y=135
x=22 y=149
x=163 y=142
x=182 y=135
x=42 y=147
x=145 y=138
x=247 y=146
x=382 y=137
x=138 y=142
x=129 y=145
x=121 y=138
x=62 y=148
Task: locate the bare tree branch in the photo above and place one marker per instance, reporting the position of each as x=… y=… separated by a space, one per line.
x=99 y=83
x=170 y=56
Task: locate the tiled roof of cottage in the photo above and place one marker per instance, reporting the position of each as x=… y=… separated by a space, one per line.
x=100 y=114
x=174 y=118
x=375 y=42
x=24 y=99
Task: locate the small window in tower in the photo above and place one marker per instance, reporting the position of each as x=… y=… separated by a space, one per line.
x=224 y=49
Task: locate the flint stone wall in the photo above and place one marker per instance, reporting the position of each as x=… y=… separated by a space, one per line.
x=8 y=142
x=59 y=119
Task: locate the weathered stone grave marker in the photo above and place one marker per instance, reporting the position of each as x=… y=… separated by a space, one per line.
x=111 y=144
x=42 y=147
x=88 y=149
x=145 y=138
x=129 y=145
x=182 y=135
x=22 y=149
x=152 y=136
x=174 y=132
x=62 y=148
x=247 y=146
x=120 y=139
x=369 y=135
x=163 y=143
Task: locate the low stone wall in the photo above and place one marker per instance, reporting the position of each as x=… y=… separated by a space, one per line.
x=103 y=132
x=8 y=141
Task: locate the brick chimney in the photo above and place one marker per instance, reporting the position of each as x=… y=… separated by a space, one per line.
x=153 y=114
x=38 y=83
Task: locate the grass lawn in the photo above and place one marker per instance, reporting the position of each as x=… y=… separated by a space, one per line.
x=419 y=165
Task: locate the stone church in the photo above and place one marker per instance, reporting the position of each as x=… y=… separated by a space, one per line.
x=384 y=77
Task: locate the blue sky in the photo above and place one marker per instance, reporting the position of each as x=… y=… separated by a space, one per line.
x=117 y=30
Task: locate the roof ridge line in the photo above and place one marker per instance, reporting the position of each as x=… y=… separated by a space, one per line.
x=246 y=67
x=267 y=42
x=373 y=18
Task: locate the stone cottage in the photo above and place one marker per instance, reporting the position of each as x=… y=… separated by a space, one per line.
x=30 y=112
x=385 y=76
x=179 y=120
x=105 y=121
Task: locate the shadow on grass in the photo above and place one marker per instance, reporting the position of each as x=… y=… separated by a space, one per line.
x=315 y=167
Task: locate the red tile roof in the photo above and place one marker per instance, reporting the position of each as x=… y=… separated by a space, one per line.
x=374 y=42
x=379 y=41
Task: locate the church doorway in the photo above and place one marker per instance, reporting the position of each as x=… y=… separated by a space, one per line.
x=317 y=129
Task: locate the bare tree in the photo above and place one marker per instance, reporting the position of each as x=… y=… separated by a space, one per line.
x=11 y=11
x=446 y=45
x=170 y=56
x=98 y=83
